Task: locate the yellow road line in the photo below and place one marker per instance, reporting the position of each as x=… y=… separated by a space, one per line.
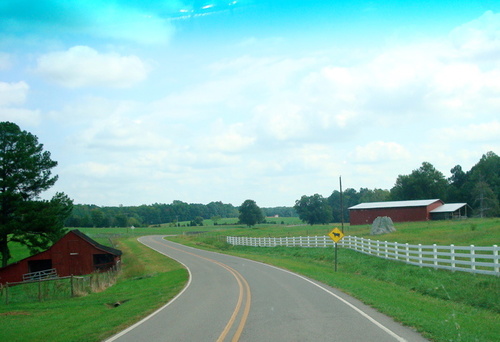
x=244 y=291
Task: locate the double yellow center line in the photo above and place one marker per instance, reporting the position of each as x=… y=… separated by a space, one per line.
x=244 y=293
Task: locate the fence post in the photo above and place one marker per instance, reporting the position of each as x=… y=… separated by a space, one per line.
x=495 y=260
x=452 y=252
x=386 y=250
x=434 y=254
x=472 y=257
x=7 y=293
x=407 y=253
x=72 y=290
x=420 y=254
x=40 y=289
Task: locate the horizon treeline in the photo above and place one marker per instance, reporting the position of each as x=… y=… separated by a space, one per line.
x=479 y=188
x=85 y=215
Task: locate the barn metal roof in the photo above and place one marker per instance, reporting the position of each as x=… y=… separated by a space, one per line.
x=394 y=204
x=96 y=244
x=448 y=208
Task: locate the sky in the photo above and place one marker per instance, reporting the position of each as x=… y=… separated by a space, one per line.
x=144 y=102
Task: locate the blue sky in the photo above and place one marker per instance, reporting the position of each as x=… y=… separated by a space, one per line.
x=199 y=101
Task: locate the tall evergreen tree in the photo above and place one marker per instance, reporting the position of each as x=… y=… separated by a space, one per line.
x=25 y=172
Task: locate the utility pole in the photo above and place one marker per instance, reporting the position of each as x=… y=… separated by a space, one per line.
x=341 y=205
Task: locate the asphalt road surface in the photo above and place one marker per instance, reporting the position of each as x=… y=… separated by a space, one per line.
x=235 y=299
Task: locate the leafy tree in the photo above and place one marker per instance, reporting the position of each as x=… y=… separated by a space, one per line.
x=120 y=220
x=250 y=213
x=314 y=209
x=375 y=195
x=280 y=211
x=198 y=221
x=457 y=181
x=216 y=219
x=423 y=183
x=485 y=200
x=25 y=172
x=487 y=170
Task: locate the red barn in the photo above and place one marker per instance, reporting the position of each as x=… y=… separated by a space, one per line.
x=74 y=254
x=398 y=211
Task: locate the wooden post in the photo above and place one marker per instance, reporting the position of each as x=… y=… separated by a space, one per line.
x=72 y=289
x=40 y=289
x=7 y=293
x=336 y=257
x=341 y=205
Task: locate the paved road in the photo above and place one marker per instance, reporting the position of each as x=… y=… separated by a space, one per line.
x=235 y=299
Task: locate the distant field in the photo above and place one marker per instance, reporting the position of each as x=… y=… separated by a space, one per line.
x=479 y=232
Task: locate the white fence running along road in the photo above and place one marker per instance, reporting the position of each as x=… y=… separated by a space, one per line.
x=472 y=258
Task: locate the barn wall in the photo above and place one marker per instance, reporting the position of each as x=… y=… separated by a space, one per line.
x=71 y=255
x=403 y=214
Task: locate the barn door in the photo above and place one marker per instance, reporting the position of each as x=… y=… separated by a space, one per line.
x=74 y=258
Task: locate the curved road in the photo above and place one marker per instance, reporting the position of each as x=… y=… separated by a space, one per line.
x=234 y=299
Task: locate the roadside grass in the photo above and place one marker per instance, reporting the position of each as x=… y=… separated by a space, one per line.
x=442 y=305
x=94 y=317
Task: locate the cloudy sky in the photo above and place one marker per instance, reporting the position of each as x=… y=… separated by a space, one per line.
x=145 y=102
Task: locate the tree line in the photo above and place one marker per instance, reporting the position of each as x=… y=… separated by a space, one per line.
x=85 y=215
x=479 y=188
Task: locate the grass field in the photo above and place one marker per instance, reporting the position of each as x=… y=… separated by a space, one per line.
x=443 y=306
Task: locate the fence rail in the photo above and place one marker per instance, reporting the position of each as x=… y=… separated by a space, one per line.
x=56 y=288
x=50 y=273
x=474 y=259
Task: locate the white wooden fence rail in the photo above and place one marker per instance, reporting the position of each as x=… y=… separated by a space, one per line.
x=456 y=258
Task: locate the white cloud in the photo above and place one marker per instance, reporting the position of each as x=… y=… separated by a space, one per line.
x=13 y=95
x=82 y=66
x=483 y=132
x=21 y=116
x=379 y=152
x=226 y=138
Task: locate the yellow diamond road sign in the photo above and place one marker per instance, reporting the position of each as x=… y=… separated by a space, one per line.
x=336 y=235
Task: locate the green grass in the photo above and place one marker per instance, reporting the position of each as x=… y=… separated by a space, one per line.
x=90 y=318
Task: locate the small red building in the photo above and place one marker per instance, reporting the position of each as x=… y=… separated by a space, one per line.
x=398 y=211
x=74 y=254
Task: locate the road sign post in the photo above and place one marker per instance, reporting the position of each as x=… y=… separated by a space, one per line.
x=336 y=235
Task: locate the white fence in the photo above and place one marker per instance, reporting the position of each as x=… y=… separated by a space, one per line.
x=456 y=258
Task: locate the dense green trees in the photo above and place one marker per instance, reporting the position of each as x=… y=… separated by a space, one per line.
x=314 y=209
x=479 y=187
x=25 y=172
x=423 y=183
x=250 y=213
x=146 y=215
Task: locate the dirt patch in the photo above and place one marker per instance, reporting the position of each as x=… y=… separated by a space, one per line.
x=15 y=313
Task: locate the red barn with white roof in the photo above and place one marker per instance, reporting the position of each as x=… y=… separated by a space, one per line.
x=398 y=211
